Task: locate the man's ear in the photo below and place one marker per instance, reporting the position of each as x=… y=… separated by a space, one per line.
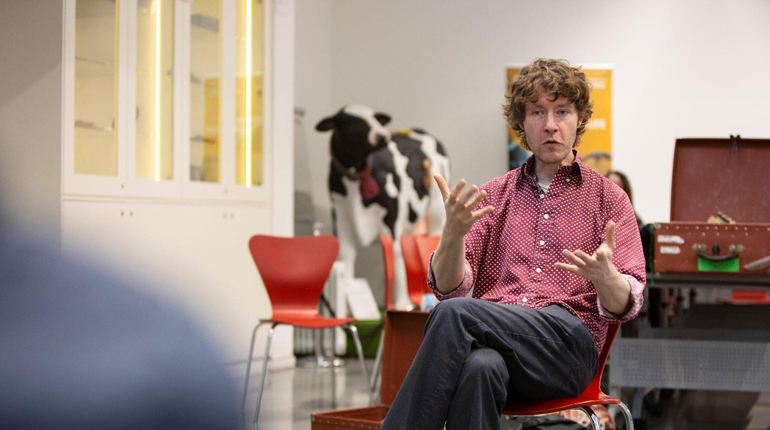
x=382 y=118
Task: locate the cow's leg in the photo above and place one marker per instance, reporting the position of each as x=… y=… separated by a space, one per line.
x=346 y=234
x=401 y=298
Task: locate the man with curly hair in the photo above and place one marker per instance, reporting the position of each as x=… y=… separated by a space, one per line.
x=550 y=254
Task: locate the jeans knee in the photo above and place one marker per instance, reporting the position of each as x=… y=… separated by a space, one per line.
x=485 y=367
x=485 y=362
x=452 y=306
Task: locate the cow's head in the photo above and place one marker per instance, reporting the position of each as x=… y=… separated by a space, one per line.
x=358 y=131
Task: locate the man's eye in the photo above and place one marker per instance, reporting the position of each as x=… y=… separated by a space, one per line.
x=563 y=112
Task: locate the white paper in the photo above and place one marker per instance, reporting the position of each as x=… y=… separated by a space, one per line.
x=361 y=300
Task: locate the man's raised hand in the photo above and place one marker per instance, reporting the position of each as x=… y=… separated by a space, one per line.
x=460 y=206
x=598 y=267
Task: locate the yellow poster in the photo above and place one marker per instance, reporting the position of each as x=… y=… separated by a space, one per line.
x=596 y=143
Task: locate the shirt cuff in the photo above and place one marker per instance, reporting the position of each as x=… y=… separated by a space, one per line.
x=460 y=291
x=637 y=300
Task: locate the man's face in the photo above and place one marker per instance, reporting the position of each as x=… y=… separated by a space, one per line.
x=551 y=127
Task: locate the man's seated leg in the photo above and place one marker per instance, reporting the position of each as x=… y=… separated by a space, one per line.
x=481 y=391
x=541 y=350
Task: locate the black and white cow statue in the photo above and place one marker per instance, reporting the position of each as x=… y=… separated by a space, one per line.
x=382 y=183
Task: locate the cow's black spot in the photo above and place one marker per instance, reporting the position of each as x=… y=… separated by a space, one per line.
x=335 y=182
x=415 y=167
x=440 y=148
x=412 y=214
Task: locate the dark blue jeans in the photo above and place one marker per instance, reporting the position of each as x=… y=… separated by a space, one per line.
x=477 y=354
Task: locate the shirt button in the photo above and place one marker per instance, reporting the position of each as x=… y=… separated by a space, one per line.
x=538 y=270
x=542 y=196
x=524 y=300
x=567 y=179
x=545 y=216
x=542 y=242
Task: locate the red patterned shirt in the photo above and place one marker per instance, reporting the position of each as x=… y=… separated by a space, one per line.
x=510 y=253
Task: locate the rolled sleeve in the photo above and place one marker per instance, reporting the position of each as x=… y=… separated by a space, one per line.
x=461 y=291
x=637 y=299
x=628 y=258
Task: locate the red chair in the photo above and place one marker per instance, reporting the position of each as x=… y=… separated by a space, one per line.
x=592 y=395
x=294 y=271
x=389 y=258
x=425 y=247
x=416 y=273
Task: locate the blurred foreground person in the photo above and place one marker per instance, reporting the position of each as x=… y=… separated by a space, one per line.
x=82 y=350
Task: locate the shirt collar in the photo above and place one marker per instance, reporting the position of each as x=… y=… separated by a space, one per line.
x=577 y=169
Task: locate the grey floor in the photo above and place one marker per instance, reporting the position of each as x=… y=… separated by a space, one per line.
x=291 y=396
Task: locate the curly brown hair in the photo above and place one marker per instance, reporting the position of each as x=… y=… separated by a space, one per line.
x=553 y=77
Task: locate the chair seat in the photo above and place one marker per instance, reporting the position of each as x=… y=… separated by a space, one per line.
x=538 y=407
x=307 y=321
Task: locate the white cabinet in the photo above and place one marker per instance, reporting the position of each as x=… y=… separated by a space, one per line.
x=167 y=98
x=193 y=256
x=167 y=151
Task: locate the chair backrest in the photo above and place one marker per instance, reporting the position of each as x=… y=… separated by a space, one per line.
x=416 y=278
x=294 y=269
x=389 y=258
x=425 y=247
x=595 y=386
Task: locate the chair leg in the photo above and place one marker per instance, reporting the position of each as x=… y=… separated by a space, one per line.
x=360 y=351
x=592 y=416
x=248 y=370
x=627 y=416
x=264 y=374
x=377 y=365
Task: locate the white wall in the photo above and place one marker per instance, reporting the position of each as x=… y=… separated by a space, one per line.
x=282 y=205
x=683 y=68
x=313 y=94
x=30 y=117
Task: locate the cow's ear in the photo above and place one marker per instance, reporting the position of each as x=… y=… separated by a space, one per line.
x=326 y=124
x=382 y=118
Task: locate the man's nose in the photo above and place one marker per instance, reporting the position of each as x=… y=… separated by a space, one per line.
x=550 y=123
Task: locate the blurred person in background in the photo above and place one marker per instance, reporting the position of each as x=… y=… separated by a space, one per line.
x=621 y=180
x=83 y=350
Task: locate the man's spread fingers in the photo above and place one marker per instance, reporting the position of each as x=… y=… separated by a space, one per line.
x=477 y=199
x=566 y=267
x=573 y=258
x=453 y=196
x=583 y=256
x=442 y=186
x=481 y=212
x=469 y=194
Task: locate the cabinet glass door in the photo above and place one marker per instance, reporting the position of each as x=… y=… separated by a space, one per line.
x=154 y=90
x=205 y=90
x=250 y=65
x=96 y=88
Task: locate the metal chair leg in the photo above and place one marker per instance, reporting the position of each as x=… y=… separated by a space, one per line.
x=377 y=365
x=592 y=416
x=627 y=416
x=248 y=370
x=264 y=374
x=360 y=351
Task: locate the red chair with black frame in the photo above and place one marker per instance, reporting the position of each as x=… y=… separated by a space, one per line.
x=294 y=271
x=592 y=395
